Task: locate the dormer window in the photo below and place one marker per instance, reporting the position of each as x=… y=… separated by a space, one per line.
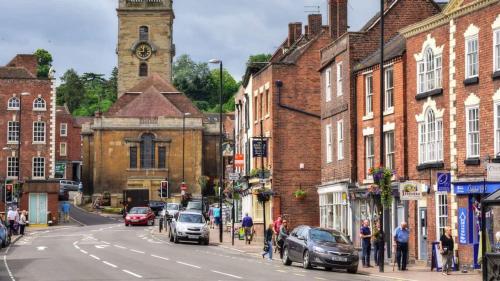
x=143 y=33
x=13 y=103
x=39 y=104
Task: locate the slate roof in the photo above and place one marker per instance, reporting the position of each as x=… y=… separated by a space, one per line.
x=153 y=97
x=8 y=72
x=392 y=49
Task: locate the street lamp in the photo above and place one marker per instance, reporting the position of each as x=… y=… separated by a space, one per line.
x=183 y=142
x=5 y=183
x=221 y=173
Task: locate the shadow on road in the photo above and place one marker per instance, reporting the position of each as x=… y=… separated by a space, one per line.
x=86 y=218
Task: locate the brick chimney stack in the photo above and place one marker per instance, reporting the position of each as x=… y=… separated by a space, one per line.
x=315 y=22
x=337 y=17
x=294 y=32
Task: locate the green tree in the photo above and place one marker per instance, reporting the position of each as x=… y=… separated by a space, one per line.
x=71 y=91
x=44 y=63
x=193 y=79
x=258 y=58
x=230 y=86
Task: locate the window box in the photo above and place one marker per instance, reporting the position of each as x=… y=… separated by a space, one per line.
x=471 y=81
x=430 y=93
x=432 y=165
x=472 y=161
x=496 y=75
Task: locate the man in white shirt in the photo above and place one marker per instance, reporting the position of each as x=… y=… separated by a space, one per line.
x=11 y=217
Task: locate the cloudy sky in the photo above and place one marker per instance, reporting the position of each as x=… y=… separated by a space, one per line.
x=82 y=34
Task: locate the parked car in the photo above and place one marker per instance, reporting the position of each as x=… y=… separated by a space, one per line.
x=156 y=206
x=140 y=216
x=189 y=226
x=313 y=246
x=173 y=208
x=4 y=234
x=68 y=185
x=194 y=206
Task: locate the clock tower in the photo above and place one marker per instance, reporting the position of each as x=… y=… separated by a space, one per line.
x=145 y=44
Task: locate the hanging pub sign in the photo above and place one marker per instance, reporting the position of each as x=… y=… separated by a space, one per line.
x=409 y=191
x=259 y=148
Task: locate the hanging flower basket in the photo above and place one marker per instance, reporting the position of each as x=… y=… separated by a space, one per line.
x=263 y=195
x=300 y=193
x=382 y=178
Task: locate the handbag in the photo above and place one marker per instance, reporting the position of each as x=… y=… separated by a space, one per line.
x=266 y=247
x=445 y=251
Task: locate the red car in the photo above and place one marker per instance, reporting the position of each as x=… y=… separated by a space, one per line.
x=140 y=216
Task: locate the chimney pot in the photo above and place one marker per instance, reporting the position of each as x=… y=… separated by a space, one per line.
x=294 y=32
x=315 y=23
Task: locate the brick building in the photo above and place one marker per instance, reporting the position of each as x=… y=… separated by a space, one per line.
x=453 y=92
x=27 y=107
x=342 y=205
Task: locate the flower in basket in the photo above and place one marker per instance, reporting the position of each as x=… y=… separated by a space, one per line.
x=300 y=193
x=382 y=178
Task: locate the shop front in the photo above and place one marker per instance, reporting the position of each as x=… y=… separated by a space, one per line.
x=469 y=195
x=335 y=210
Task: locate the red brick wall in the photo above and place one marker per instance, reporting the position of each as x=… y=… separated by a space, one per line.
x=30 y=62
x=72 y=140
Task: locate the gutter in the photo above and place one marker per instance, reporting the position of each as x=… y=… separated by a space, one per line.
x=279 y=85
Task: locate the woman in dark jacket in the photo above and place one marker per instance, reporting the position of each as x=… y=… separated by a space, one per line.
x=268 y=242
x=447 y=246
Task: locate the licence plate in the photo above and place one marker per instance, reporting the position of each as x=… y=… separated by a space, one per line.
x=192 y=237
x=343 y=259
x=134 y=220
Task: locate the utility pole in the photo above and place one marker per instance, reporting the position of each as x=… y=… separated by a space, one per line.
x=262 y=147
x=384 y=212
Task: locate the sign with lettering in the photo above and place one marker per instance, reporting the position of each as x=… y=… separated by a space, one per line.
x=259 y=148
x=444 y=182
x=239 y=160
x=462 y=225
x=409 y=191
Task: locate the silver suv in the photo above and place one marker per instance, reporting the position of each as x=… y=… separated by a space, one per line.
x=189 y=226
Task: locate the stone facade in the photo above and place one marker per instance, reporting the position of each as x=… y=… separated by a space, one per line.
x=158 y=17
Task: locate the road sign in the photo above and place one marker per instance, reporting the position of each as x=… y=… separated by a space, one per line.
x=462 y=225
x=234 y=176
x=493 y=171
x=239 y=160
x=444 y=182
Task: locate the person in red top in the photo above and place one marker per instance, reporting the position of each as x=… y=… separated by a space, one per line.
x=276 y=227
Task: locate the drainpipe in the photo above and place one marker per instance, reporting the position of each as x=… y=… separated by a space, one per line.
x=279 y=85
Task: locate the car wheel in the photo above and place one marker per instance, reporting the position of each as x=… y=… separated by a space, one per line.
x=206 y=242
x=126 y=224
x=328 y=268
x=352 y=270
x=306 y=262
x=286 y=260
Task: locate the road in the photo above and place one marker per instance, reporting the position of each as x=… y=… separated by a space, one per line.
x=108 y=250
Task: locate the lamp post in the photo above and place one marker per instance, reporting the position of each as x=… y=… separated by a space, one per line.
x=384 y=214
x=221 y=139
x=5 y=184
x=183 y=142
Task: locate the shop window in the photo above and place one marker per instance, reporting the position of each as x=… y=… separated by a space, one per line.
x=147 y=151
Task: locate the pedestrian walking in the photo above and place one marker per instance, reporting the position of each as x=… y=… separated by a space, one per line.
x=366 y=235
x=401 y=237
x=66 y=207
x=247 y=224
x=211 y=216
x=284 y=232
x=23 y=220
x=268 y=242
x=217 y=216
x=11 y=217
x=378 y=242
x=276 y=227
x=447 y=246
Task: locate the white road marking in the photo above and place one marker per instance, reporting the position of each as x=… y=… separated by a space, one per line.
x=282 y=271
x=136 y=251
x=104 y=242
x=7 y=267
x=121 y=247
x=131 y=273
x=319 y=278
x=77 y=247
x=41 y=248
x=299 y=274
x=97 y=258
x=158 y=257
x=227 y=274
x=110 y=264
x=187 y=264
x=83 y=251
x=101 y=246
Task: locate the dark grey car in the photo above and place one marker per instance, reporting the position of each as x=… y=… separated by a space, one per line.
x=322 y=247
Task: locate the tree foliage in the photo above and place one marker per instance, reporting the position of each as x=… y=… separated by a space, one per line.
x=44 y=63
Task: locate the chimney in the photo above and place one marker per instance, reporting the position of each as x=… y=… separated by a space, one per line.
x=306 y=30
x=315 y=23
x=337 y=18
x=294 y=32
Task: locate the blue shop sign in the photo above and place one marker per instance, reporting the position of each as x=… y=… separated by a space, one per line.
x=444 y=182
x=476 y=187
x=462 y=226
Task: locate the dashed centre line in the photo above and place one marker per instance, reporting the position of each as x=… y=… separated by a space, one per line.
x=110 y=264
x=136 y=251
x=187 y=264
x=83 y=251
x=95 y=257
x=227 y=274
x=120 y=247
x=162 y=258
x=131 y=273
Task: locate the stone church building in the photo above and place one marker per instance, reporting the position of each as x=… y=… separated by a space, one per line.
x=153 y=132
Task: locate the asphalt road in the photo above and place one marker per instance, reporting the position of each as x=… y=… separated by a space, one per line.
x=111 y=251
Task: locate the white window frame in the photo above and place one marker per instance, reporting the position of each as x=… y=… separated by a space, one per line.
x=39 y=104
x=429 y=71
x=329 y=143
x=340 y=140
x=12 y=168
x=430 y=138
x=63 y=129
x=389 y=147
x=369 y=155
x=328 y=84
x=496 y=122
x=39 y=136
x=340 y=89
x=38 y=167
x=13 y=125
x=471 y=67
x=496 y=49
x=11 y=105
x=368 y=94
x=441 y=200
x=389 y=90
x=473 y=132
x=63 y=152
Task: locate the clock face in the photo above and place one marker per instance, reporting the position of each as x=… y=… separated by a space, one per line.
x=143 y=51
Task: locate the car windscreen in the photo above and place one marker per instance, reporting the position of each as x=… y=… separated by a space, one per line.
x=138 y=211
x=323 y=235
x=194 y=206
x=172 y=207
x=191 y=218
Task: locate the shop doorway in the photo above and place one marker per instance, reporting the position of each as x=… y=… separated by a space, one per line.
x=37 y=208
x=422 y=233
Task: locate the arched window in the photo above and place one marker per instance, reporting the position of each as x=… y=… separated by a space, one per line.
x=147 y=151
x=39 y=104
x=143 y=69
x=431 y=138
x=13 y=103
x=143 y=33
x=429 y=71
x=429 y=68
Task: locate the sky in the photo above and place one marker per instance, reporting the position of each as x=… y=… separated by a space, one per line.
x=82 y=34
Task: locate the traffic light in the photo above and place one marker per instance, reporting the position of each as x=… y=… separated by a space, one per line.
x=163 y=191
x=8 y=189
